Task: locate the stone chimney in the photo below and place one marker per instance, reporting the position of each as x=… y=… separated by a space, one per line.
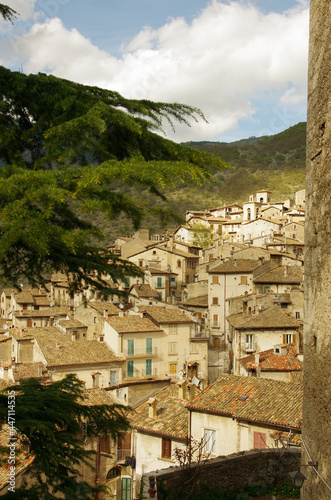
x=257 y=358
x=182 y=384
x=191 y=391
x=152 y=407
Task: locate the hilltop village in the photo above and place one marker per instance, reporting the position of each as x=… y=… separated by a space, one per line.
x=207 y=344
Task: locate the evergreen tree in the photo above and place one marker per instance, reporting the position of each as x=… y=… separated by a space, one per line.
x=68 y=150
x=53 y=418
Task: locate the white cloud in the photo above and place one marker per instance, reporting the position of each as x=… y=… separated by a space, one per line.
x=221 y=62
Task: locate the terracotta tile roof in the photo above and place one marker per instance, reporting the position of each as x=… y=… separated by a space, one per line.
x=282 y=274
x=24 y=297
x=171 y=415
x=271 y=362
x=236 y=266
x=42 y=313
x=144 y=291
x=132 y=324
x=71 y=323
x=29 y=370
x=22 y=459
x=286 y=437
x=59 y=349
x=102 y=306
x=166 y=315
x=201 y=301
x=268 y=401
x=272 y=317
x=154 y=270
x=42 y=300
x=97 y=396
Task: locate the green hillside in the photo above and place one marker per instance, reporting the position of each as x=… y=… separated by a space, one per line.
x=276 y=163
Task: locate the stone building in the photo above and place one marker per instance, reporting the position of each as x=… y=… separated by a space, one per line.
x=317 y=345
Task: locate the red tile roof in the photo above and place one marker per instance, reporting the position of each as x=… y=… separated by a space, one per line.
x=236 y=266
x=132 y=324
x=268 y=401
x=272 y=317
x=269 y=361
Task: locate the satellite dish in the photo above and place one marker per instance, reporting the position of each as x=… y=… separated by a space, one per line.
x=5 y=327
x=135 y=309
x=51 y=304
x=121 y=306
x=21 y=285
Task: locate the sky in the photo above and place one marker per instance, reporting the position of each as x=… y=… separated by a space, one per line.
x=242 y=63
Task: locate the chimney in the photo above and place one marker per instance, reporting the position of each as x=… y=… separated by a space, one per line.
x=152 y=407
x=191 y=391
x=257 y=358
x=182 y=384
x=285 y=271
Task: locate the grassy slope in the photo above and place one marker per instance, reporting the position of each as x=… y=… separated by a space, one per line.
x=276 y=163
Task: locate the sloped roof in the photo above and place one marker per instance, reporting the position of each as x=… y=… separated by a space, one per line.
x=272 y=317
x=97 y=396
x=268 y=401
x=42 y=313
x=29 y=370
x=25 y=297
x=132 y=324
x=22 y=459
x=102 y=306
x=71 y=323
x=166 y=315
x=59 y=350
x=236 y=266
x=171 y=415
x=271 y=362
x=144 y=291
x=282 y=274
x=201 y=301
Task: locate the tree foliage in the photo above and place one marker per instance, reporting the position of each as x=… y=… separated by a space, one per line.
x=7 y=13
x=67 y=150
x=204 y=236
x=53 y=419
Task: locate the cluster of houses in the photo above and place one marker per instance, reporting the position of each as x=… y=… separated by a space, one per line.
x=208 y=345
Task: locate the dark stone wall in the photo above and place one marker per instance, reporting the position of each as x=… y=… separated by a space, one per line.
x=230 y=473
x=317 y=333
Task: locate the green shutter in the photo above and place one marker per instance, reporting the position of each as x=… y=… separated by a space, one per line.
x=130 y=369
x=148 y=367
x=130 y=347
x=149 y=346
x=126 y=488
x=159 y=282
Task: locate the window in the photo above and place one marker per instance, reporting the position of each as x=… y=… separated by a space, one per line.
x=159 y=282
x=297 y=315
x=173 y=368
x=173 y=329
x=126 y=488
x=260 y=440
x=179 y=263
x=249 y=214
x=159 y=296
x=215 y=280
x=215 y=323
x=131 y=347
x=149 y=346
x=113 y=377
x=123 y=445
x=130 y=368
x=249 y=342
x=95 y=319
x=289 y=338
x=104 y=444
x=141 y=263
x=148 y=367
x=166 y=448
x=243 y=280
x=127 y=282
x=266 y=289
x=215 y=301
x=172 y=347
x=194 y=348
x=172 y=281
x=283 y=305
x=209 y=441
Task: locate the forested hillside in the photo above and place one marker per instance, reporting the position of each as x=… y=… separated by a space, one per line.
x=276 y=163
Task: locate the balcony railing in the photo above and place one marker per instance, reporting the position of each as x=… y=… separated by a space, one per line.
x=123 y=453
x=140 y=352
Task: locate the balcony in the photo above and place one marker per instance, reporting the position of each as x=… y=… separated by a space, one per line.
x=140 y=353
x=122 y=453
x=199 y=334
x=140 y=373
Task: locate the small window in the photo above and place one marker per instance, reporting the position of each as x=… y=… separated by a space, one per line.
x=283 y=305
x=149 y=346
x=179 y=263
x=141 y=263
x=260 y=440
x=95 y=319
x=243 y=280
x=215 y=280
x=194 y=348
x=130 y=347
x=154 y=252
x=297 y=315
x=173 y=368
x=148 y=367
x=130 y=368
x=173 y=329
x=159 y=282
x=104 y=444
x=215 y=323
x=172 y=347
x=209 y=441
x=215 y=301
x=166 y=448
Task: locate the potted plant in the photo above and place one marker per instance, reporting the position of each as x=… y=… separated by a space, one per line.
x=152 y=482
x=152 y=492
